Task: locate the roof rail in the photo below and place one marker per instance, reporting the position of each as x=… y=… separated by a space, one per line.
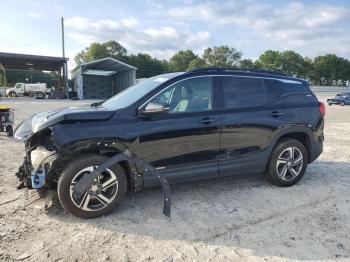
x=215 y=69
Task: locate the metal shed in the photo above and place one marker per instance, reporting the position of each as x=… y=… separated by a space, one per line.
x=11 y=61
x=103 y=78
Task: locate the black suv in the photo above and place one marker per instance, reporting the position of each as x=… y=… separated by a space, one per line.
x=174 y=127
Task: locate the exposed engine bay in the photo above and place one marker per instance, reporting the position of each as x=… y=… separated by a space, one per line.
x=47 y=154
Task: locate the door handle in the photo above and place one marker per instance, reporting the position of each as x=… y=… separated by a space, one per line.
x=276 y=113
x=207 y=120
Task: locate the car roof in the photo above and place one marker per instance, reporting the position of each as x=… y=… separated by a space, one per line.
x=229 y=71
x=244 y=72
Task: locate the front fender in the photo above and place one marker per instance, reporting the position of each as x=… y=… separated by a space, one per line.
x=101 y=146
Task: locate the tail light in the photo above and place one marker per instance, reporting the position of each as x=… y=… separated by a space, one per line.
x=322 y=108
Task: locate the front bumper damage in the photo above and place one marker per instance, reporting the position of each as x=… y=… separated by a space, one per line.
x=49 y=147
x=35 y=172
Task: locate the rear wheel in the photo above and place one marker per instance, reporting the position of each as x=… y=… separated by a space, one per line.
x=100 y=199
x=288 y=163
x=342 y=103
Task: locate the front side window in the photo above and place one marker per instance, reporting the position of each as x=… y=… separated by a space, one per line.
x=241 y=92
x=136 y=92
x=189 y=95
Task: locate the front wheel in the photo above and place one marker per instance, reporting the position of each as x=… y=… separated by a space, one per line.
x=288 y=163
x=106 y=191
x=13 y=94
x=342 y=103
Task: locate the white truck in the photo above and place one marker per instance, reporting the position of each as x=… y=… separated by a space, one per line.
x=39 y=90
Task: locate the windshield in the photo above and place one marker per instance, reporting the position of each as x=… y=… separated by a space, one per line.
x=135 y=92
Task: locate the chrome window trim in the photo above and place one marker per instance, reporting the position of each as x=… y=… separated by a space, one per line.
x=214 y=75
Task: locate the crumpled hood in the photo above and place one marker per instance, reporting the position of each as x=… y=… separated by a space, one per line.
x=45 y=119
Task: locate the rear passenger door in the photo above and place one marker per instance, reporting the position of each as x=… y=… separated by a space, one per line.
x=248 y=120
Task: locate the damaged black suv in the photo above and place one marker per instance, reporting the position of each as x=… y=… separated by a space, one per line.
x=174 y=127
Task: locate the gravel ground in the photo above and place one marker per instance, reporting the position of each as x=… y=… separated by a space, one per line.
x=227 y=219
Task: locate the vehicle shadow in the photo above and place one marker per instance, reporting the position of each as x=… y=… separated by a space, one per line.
x=243 y=213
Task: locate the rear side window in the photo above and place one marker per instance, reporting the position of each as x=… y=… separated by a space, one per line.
x=240 y=92
x=276 y=88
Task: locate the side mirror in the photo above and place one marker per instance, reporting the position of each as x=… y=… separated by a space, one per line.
x=154 y=108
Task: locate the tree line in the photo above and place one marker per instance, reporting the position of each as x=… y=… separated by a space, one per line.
x=28 y=76
x=327 y=69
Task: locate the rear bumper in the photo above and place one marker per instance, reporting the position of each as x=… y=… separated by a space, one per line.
x=316 y=145
x=316 y=151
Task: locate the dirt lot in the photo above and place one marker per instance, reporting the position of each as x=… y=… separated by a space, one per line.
x=228 y=219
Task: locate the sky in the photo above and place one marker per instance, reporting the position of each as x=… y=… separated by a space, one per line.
x=161 y=28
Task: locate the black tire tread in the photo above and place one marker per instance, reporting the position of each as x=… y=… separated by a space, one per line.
x=69 y=172
x=271 y=174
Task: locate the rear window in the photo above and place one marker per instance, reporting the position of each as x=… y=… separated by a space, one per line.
x=276 y=88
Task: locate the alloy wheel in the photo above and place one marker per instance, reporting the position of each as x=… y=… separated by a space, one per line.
x=289 y=163
x=102 y=192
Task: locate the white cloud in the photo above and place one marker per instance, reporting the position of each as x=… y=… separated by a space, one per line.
x=130 y=22
x=251 y=25
x=35 y=15
x=161 y=42
x=290 y=25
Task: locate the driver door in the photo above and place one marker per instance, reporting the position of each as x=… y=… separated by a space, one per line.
x=183 y=143
x=20 y=89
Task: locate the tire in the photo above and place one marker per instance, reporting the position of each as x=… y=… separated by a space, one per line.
x=13 y=94
x=280 y=170
x=342 y=104
x=40 y=95
x=94 y=207
x=9 y=130
x=329 y=104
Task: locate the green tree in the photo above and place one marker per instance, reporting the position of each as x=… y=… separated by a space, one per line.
x=247 y=64
x=293 y=64
x=31 y=76
x=181 y=60
x=269 y=60
x=330 y=68
x=2 y=80
x=98 y=51
x=146 y=65
x=196 y=64
x=222 y=56
x=115 y=50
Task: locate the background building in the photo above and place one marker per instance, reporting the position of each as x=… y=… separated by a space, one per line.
x=103 y=78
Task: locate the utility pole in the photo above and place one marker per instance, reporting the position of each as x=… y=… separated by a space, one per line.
x=65 y=71
x=5 y=77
